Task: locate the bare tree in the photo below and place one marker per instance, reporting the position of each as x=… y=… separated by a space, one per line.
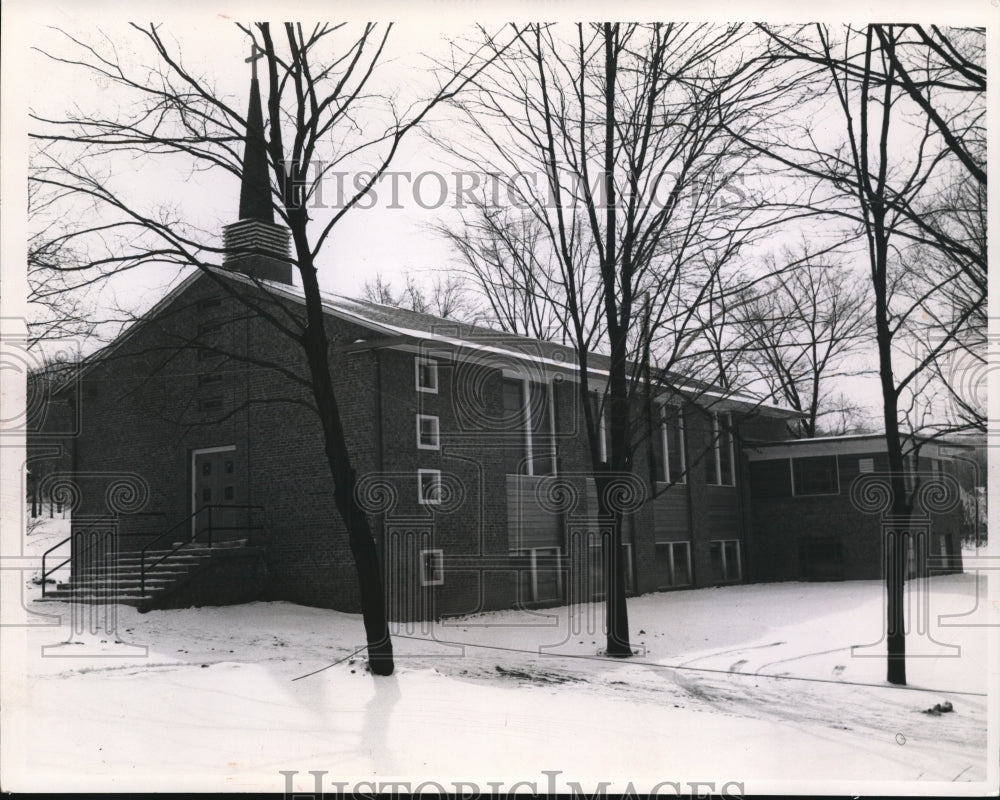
x=446 y=296
x=316 y=82
x=500 y=253
x=800 y=328
x=611 y=139
x=955 y=376
x=912 y=107
x=58 y=277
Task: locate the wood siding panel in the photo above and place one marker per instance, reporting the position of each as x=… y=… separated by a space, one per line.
x=528 y=524
x=671 y=515
x=628 y=523
x=723 y=512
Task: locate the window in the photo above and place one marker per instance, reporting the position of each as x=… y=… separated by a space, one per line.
x=428 y=432
x=597 y=407
x=427 y=375
x=815 y=475
x=528 y=410
x=429 y=486
x=668 y=446
x=595 y=567
x=209 y=302
x=207 y=380
x=228 y=492
x=542 y=581
x=673 y=564
x=866 y=465
x=598 y=562
x=725 y=558
x=431 y=567
x=210 y=404
x=909 y=470
x=719 y=459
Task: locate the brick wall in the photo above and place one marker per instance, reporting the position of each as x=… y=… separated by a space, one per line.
x=143 y=411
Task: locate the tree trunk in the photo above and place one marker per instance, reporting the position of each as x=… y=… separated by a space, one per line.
x=897 y=533
x=614 y=592
x=360 y=539
x=618 y=643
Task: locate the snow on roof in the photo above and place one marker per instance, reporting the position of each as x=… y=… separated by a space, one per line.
x=848 y=444
x=421 y=327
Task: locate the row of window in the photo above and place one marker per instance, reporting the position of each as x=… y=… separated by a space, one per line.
x=818 y=475
x=429 y=487
x=544 y=580
x=673 y=563
x=529 y=405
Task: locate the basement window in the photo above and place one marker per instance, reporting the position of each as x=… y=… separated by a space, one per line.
x=542 y=580
x=724 y=555
x=673 y=564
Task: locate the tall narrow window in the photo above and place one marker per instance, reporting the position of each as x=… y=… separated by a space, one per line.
x=719 y=460
x=528 y=411
x=516 y=455
x=542 y=440
x=601 y=419
x=668 y=446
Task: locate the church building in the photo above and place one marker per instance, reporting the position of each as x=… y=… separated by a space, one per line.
x=199 y=438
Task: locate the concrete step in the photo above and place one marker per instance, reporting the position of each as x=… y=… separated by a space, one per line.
x=135 y=571
x=99 y=583
x=90 y=599
x=122 y=581
x=105 y=593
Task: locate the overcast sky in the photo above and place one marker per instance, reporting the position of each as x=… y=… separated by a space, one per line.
x=392 y=241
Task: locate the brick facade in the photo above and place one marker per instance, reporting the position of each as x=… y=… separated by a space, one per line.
x=193 y=379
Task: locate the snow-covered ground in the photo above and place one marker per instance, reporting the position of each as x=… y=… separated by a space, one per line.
x=754 y=685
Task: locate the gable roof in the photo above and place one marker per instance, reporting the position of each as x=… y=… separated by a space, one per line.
x=420 y=329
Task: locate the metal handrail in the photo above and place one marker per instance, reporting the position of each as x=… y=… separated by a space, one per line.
x=193 y=515
x=93 y=523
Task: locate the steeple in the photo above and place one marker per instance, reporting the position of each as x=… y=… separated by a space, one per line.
x=255 y=191
x=256 y=245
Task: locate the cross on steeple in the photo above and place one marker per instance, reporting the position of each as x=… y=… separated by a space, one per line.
x=255 y=55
